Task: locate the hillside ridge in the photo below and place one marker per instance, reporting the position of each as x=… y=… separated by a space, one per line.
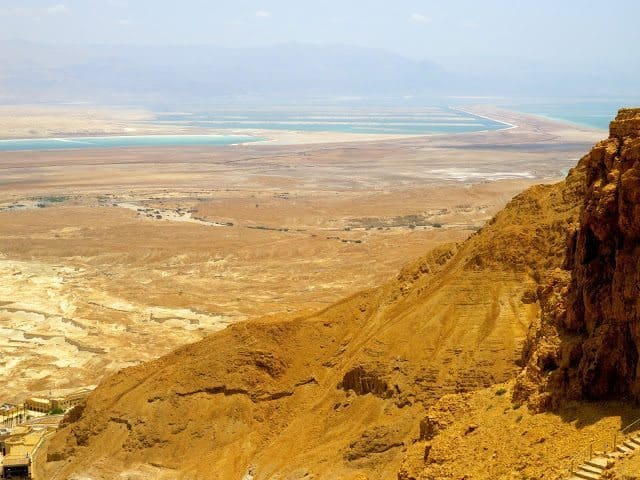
x=341 y=391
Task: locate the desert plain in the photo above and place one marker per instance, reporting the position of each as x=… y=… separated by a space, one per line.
x=116 y=256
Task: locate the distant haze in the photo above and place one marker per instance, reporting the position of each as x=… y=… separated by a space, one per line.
x=143 y=50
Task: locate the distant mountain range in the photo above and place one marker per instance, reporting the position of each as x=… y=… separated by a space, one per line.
x=151 y=74
x=148 y=73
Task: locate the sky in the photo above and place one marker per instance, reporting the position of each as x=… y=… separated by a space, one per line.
x=455 y=33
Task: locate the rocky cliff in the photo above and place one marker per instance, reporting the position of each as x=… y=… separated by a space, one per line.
x=587 y=342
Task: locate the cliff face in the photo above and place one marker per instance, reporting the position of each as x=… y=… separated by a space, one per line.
x=587 y=343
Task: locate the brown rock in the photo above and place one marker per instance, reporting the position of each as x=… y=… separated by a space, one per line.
x=588 y=342
x=471 y=428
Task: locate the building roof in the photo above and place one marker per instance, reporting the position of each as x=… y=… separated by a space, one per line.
x=38 y=399
x=15 y=461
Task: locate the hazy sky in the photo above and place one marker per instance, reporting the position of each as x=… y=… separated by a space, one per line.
x=453 y=32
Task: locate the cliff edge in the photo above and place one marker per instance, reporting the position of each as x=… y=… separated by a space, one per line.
x=587 y=342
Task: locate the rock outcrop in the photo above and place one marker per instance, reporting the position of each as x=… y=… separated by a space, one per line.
x=587 y=343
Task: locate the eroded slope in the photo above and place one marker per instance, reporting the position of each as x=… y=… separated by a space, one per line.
x=336 y=394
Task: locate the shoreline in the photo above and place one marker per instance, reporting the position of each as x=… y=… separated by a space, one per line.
x=568 y=122
x=509 y=125
x=84 y=142
x=512 y=121
x=71 y=138
x=516 y=124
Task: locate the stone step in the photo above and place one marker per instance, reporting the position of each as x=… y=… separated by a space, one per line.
x=630 y=445
x=614 y=455
x=591 y=469
x=586 y=475
x=635 y=440
x=623 y=449
x=599 y=462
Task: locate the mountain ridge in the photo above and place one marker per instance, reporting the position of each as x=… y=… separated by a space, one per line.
x=148 y=74
x=172 y=76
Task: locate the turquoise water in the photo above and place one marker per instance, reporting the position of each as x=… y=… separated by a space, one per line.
x=596 y=114
x=123 y=142
x=382 y=120
x=389 y=120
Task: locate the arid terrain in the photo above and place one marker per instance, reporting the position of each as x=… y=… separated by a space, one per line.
x=319 y=240
x=112 y=257
x=419 y=378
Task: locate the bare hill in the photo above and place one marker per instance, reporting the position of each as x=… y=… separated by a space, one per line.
x=339 y=393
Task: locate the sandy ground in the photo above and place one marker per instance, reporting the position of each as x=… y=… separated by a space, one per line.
x=54 y=121
x=547 y=445
x=112 y=257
